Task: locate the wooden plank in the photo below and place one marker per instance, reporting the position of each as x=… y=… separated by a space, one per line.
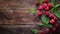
x=16 y=11
x=14 y=4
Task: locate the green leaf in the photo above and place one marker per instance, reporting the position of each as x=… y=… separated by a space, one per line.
x=41 y=1
x=57 y=13
x=53 y=2
x=52 y=10
x=35 y=31
x=41 y=24
x=45 y=20
x=49 y=25
x=32 y=11
x=57 y=6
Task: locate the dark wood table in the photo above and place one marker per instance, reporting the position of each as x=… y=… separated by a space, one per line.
x=15 y=17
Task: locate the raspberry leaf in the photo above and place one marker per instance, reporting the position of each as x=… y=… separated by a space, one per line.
x=41 y=24
x=40 y=1
x=35 y=31
x=32 y=11
x=49 y=25
x=57 y=13
x=57 y=6
x=52 y=10
x=45 y=20
x=53 y=2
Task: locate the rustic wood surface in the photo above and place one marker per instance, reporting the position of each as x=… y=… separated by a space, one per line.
x=16 y=11
x=15 y=17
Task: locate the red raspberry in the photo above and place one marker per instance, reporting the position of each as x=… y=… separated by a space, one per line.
x=40 y=8
x=41 y=32
x=53 y=29
x=47 y=8
x=56 y=25
x=44 y=5
x=45 y=1
x=47 y=30
x=39 y=13
x=49 y=5
x=47 y=13
x=51 y=16
x=52 y=21
x=37 y=3
x=55 y=18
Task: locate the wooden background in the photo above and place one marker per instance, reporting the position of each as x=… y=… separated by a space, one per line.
x=15 y=17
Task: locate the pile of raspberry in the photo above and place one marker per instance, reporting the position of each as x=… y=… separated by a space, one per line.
x=44 y=9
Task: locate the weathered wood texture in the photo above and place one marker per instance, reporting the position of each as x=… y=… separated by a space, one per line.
x=15 y=17
x=16 y=11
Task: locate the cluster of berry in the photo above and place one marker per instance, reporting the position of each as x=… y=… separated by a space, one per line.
x=48 y=30
x=46 y=6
